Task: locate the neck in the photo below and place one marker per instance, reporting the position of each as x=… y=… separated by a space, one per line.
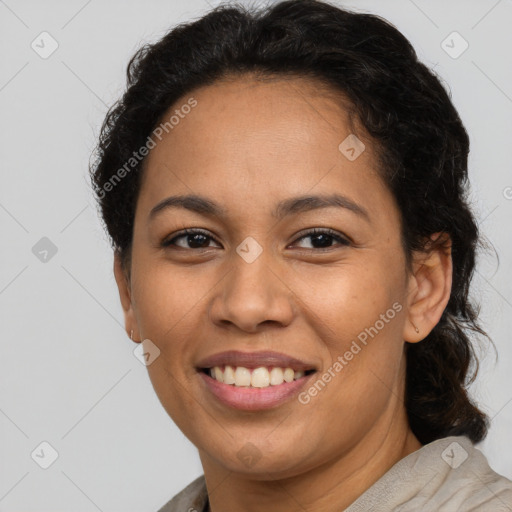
x=331 y=487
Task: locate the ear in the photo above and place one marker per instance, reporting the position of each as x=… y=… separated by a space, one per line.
x=430 y=286
x=124 y=287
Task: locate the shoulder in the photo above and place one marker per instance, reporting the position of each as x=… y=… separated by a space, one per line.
x=445 y=475
x=192 y=498
x=469 y=481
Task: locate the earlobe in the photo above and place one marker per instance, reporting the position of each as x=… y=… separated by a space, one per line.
x=429 y=288
x=124 y=288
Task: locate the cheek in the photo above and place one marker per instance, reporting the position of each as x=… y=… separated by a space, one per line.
x=347 y=297
x=167 y=299
x=356 y=311
x=169 y=308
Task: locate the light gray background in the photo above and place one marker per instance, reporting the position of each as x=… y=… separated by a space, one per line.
x=68 y=375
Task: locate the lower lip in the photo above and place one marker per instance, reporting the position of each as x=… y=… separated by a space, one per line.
x=254 y=399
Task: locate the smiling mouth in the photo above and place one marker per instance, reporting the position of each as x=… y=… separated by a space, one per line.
x=260 y=377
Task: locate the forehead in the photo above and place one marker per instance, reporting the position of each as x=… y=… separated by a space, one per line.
x=263 y=139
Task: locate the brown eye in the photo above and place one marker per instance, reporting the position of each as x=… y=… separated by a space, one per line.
x=322 y=238
x=195 y=238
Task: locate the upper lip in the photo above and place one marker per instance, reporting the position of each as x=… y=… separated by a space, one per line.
x=254 y=360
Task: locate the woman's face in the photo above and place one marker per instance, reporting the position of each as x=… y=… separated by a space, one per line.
x=254 y=281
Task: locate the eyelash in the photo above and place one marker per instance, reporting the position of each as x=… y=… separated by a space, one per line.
x=315 y=231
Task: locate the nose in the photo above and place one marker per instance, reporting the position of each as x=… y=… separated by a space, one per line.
x=252 y=295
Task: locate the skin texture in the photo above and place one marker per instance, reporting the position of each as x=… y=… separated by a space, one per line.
x=247 y=145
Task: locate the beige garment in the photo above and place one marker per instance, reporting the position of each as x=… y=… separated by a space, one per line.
x=447 y=475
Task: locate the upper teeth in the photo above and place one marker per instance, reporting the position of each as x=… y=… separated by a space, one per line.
x=259 y=377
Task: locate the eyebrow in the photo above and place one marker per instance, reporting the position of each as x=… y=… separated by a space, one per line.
x=294 y=205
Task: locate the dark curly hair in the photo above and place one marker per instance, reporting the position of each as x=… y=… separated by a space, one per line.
x=421 y=143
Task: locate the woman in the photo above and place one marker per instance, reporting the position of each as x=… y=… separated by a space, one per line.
x=285 y=192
